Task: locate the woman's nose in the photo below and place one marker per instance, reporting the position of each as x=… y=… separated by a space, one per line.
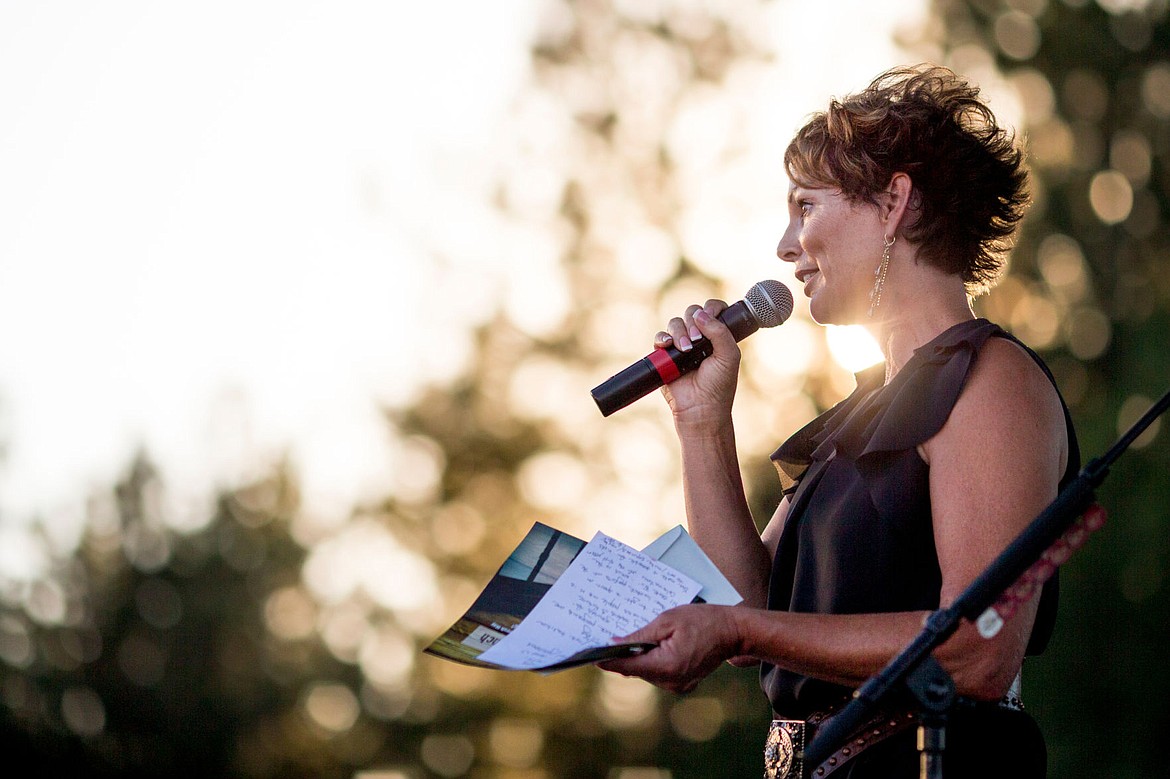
x=788 y=249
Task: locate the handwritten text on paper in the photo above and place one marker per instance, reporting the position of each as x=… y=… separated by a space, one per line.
x=609 y=590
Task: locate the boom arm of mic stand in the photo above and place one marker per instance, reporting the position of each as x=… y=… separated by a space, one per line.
x=1043 y=531
x=942 y=624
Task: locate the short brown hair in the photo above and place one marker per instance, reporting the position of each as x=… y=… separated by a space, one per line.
x=971 y=187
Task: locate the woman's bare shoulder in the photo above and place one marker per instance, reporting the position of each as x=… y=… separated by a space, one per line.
x=1008 y=404
x=1004 y=375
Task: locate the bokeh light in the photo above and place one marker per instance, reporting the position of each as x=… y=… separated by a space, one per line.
x=447 y=755
x=1036 y=95
x=697 y=718
x=625 y=701
x=1062 y=264
x=23 y=554
x=1089 y=332
x=1131 y=155
x=853 y=347
x=1111 y=196
x=357 y=559
x=83 y=711
x=1134 y=407
x=413 y=281
x=1156 y=89
x=1036 y=319
x=553 y=480
x=159 y=603
x=290 y=613
x=516 y=743
x=16 y=645
x=1085 y=95
x=1017 y=35
x=790 y=351
x=331 y=706
x=458 y=528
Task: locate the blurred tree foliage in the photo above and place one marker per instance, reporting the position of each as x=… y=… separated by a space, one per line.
x=1089 y=285
x=224 y=650
x=220 y=652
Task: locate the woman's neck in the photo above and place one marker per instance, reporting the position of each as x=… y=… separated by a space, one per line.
x=908 y=324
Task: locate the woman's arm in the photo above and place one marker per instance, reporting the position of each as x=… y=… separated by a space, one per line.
x=994 y=466
x=718 y=517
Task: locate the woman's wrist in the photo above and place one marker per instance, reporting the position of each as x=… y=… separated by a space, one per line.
x=702 y=422
x=738 y=633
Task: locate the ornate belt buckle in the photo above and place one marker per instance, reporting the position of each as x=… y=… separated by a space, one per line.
x=784 y=749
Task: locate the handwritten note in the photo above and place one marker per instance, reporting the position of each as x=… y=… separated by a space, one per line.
x=610 y=590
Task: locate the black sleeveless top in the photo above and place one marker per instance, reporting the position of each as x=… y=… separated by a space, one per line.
x=858 y=537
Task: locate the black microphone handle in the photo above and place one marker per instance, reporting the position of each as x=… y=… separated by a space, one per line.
x=643 y=377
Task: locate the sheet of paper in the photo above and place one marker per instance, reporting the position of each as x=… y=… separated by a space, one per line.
x=610 y=590
x=677 y=549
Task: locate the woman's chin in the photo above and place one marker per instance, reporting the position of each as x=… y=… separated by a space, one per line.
x=823 y=312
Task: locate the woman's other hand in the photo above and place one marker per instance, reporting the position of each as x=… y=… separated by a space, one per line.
x=692 y=641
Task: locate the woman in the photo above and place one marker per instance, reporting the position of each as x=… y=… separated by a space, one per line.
x=904 y=199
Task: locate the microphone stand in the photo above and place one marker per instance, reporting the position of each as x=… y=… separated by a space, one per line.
x=1029 y=560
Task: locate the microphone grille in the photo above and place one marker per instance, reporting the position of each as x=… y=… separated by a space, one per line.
x=770 y=302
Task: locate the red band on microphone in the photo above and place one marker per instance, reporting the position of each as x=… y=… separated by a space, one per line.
x=665 y=366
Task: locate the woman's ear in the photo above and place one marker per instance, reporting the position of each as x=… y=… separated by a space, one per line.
x=897 y=203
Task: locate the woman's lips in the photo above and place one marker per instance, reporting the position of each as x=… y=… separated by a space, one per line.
x=807 y=279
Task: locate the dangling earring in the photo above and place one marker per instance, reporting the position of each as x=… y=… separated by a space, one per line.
x=879 y=277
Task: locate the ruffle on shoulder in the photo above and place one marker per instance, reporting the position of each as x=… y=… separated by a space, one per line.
x=878 y=421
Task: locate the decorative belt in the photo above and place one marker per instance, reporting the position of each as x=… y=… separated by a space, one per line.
x=787 y=739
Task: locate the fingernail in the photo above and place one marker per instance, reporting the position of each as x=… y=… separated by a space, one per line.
x=684 y=344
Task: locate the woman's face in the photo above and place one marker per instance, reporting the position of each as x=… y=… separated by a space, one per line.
x=836 y=245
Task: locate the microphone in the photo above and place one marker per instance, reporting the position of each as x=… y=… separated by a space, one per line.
x=767 y=304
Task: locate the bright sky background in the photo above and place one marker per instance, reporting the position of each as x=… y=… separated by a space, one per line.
x=217 y=218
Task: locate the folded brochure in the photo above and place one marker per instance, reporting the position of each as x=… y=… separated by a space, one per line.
x=557 y=601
